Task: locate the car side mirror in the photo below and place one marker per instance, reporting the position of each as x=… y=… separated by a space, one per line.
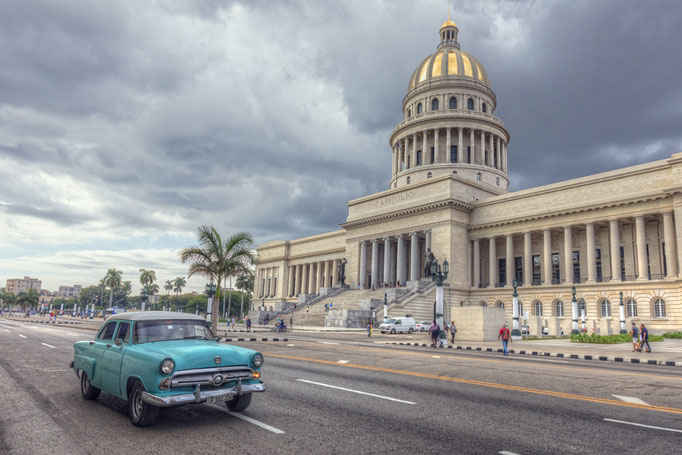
x=118 y=342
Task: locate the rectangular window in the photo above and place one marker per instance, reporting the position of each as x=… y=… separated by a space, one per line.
x=433 y=155
x=419 y=158
x=469 y=154
x=648 y=266
x=536 y=269
x=556 y=271
x=576 y=267
x=518 y=270
x=597 y=254
x=453 y=153
x=502 y=272
x=665 y=265
x=622 y=263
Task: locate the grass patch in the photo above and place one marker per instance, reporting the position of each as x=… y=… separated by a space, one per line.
x=609 y=339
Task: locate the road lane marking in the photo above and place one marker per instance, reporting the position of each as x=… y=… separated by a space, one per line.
x=22 y=336
x=342 y=361
x=48 y=345
x=328 y=342
x=631 y=400
x=5 y=330
x=504 y=452
x=355 y=391
x=436 y=356
x=552 y=393
x=289 y=344
x=644 y=426
x=265 y=426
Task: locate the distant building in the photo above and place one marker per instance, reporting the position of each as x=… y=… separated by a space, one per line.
x=69 y=292
x=18 y=285
x=46 y=297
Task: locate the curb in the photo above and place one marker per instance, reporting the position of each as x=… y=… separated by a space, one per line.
x=253 y=339
x=598 y=358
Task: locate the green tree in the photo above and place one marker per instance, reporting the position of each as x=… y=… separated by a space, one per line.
x=147 y=277
x=28 y=299
x=8 y=299
x=168 y=286
x=112 y=279
x=178 y=284
x=244 y=283
x=151 y=290
x=215 y=260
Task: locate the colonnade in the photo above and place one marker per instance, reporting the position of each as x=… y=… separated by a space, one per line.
x=471 y=145
x=389 y=260
x=308 y=278
x=266 y=282
x=562 y=261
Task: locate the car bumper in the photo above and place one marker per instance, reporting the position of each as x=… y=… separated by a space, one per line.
x=200 y=396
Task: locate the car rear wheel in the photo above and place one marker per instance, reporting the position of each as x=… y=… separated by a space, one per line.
x=141 y=414
x=239 y=403
x=410 y=331
x=393 y=331
x=423 y=329
x=87 y=390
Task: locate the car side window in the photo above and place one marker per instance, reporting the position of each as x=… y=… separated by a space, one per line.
x=399 y=321
x=107 y=332
x=123 y=332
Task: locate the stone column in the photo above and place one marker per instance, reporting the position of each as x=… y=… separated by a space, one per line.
x=363 y=265
x=428 y=240
x=492 y=259
x=375 y=264
x=290 y=285
x=393 y=263
x=614 y=242
x=425 y=153
x=335 y=272
x=387 y=261
x=527 y=258
x=568 y=254
x=511 y=265
x=498 y=154
x=448 y=144
x=492 y=151
x=297 y=284
x=460 y=145
x=472 y=144
x=547 y=255
x=304 y=279
x=326 y=281
x=642 y=265
x=482 y=138
x=670 y=249
x=504 y=157
x=477 y=263
x=435 y=146
x=395 y=153
x=414 y=150
x=400 y=259
x=591 y=253
x=311 y=278
x=414 y=257
x=318 y=278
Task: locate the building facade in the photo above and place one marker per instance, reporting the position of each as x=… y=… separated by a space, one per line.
x=18 y=285
x=69 y=292
x=618 y=231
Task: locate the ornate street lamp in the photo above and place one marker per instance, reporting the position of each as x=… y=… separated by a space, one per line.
x=439 y=275
x=582 y=314
x=144 y=294
x=622 y=314
x=385 y=306
x=574 y=310
x=516 y=332
x=209 y=290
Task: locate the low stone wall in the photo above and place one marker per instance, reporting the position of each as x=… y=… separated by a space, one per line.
x=478 y=323
x=348 y=318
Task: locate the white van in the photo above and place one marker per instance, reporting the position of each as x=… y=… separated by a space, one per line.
x=398 y=325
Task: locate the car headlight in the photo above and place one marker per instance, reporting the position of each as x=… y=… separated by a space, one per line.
x=167 y=366
x=257 y=360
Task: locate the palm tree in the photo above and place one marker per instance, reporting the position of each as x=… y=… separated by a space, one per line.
x=244 y=283
x=216 y=259
x=168 y=286
x=29 y=298
x=8 y=298
x=147 y=277
x=151 y=289
x=178 y=284
x=112 y=279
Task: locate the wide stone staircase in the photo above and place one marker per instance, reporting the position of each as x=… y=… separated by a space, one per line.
x=315 y=314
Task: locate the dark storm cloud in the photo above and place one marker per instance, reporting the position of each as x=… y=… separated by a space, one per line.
x=269 y=117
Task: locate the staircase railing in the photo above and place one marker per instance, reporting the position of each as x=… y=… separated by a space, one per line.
x=316 y=299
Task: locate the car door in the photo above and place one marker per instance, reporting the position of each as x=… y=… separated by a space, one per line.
x=98 y=345
x=112 y=357
x=398 y=325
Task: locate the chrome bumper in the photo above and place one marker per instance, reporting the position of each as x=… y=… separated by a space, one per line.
x=200 y=396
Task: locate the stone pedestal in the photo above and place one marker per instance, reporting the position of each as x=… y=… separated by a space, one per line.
x=554 y=327
x=535 y=326
x=477 y=323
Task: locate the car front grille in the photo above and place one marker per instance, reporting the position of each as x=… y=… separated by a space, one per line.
x=210 y=376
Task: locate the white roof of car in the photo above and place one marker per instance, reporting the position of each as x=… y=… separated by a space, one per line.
x=154 y=316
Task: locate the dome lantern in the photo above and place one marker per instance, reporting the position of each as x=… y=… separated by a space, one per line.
x=448 y=33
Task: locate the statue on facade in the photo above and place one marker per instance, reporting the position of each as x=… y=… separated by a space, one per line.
x=342 y=271
x=428 y=259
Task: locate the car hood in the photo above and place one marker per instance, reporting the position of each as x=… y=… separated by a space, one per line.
x=189 y=354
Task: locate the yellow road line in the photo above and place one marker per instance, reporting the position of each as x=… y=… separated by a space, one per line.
x=486 y=384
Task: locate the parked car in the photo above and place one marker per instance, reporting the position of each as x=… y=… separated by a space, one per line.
x=159 y=359
x=423 y=326
x=525 y=330
x=398 y=325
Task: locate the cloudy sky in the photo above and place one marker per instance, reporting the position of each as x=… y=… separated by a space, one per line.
x=124 y=125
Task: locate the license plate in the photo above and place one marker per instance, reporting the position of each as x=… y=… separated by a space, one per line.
x=219 y=399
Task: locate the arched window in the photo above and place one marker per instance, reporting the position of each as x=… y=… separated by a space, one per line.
x=408 y=180
x=659 y=308
x=479 y=177
x=429 y=175
x=419 y=108
x=470 y=104
x=500 y=304
x=482 y=303
x=631 y=308
x=537 y=308
x=559 y=309
x=409 y=113
x=605 y=309
x=434 y=104
x=453 y=103
x=484 y=107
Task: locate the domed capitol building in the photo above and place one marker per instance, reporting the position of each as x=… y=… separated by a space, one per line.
x=448 y=196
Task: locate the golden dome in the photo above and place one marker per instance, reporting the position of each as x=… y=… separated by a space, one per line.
x=448 y=23
x=449 y=62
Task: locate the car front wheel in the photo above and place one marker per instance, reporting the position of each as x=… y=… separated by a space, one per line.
x=393 y=331
x=239 y=403
x=141 y=413
x=87 y=390
x=410 y=331
x=422 y=329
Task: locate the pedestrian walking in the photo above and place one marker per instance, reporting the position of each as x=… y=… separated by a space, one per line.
x=634 y=333
x=434 y=330
x=645 y=338
x=233 y=321
x=369 y=330
x=453 y=331
x=505 y=336
x=326 y=307
x=248 y=324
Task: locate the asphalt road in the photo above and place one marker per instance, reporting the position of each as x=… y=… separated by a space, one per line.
x=350 y=395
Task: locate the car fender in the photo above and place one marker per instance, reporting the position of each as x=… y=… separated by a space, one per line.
x=84 y=363
x=125 y=380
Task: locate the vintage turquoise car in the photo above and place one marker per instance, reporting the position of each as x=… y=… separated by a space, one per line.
x=158 y=359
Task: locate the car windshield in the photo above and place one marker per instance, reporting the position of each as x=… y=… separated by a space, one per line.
x=176 y=329
x=390 y=321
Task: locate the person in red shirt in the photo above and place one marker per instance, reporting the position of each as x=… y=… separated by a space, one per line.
x=506 y=338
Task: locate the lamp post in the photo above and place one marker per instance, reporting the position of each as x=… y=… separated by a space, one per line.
x=385 y=306
x=144 y=294
x=439 y=275
x=574 y=310
x=516 y=332
x=209 y=290
x=582 y=314
x=622 y=314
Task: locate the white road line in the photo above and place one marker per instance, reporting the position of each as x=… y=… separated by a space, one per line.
x=436 y=356
x=22 y=336
x=356 y=391
x=248 y=419
x=5 y=330
x=504 y=452
x=342 y=361
x=644 y=426
x=328 y=342
x=289 y=344
x=631 y=400
x=48 y=345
